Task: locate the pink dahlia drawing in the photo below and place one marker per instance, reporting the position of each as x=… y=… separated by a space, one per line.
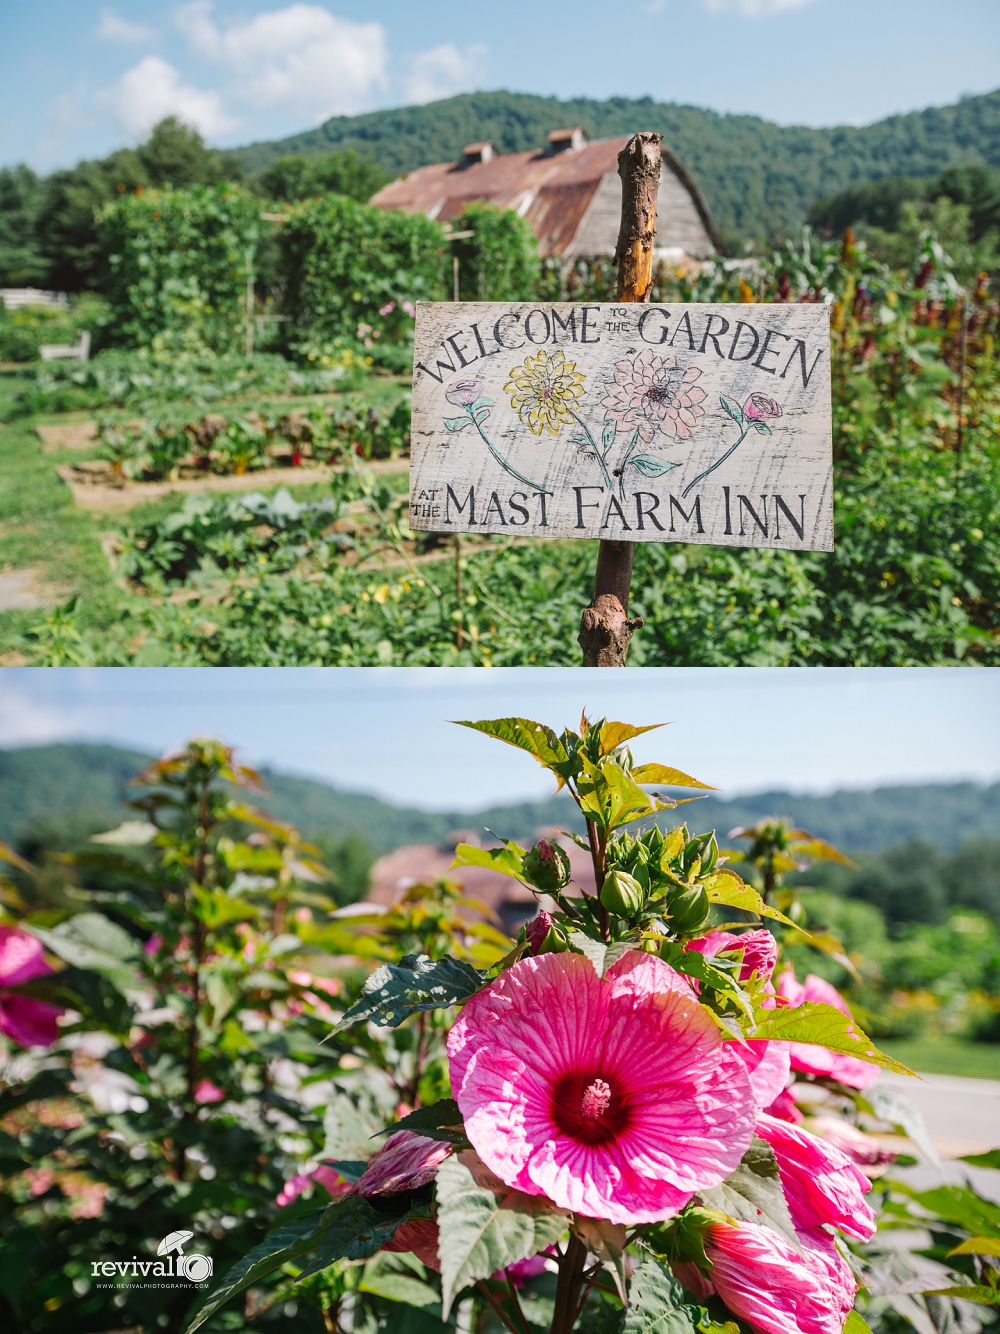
x=613 y=1096
x=654 y=394
x=809 y=1057
x=30 y=1022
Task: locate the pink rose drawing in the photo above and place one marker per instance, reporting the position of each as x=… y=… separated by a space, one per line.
x=812 y=1059
x=655 y=395
x=759 y=406
x=613 y=1096
x=30 y=1022
x=463 y=393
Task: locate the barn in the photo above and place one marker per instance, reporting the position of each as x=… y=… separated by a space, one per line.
x=569 y=191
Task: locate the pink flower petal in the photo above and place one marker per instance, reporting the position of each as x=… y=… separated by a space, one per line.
x=420 y=1236
x=526 y=1049
x=21 y=957
x=404 y=1161
x=821 y=1184
x=30 y=1022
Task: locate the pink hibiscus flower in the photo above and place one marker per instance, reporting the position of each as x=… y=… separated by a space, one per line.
x=767 y=1063
x=208 y=1092
x=863 y=1150
x=812 y=1059
x=784 y=1108
x=765 y=1281
x=821 y=1184
x=30 y=1022
x=615 y=1097
x=404 y=1162
x=327 y=1177
x=654 y=393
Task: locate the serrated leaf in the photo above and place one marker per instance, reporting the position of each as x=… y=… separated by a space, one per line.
x=614 y=735
x=442 y=1121
x=727 y=888
x=535 y=738
x=457 y=423
x=650 y=467
x=968 y=1293
x=91 y=940
x=417 y=983
x=977 y=1246
x=753 y=1197
x=692 y=963
x=507 y=860
x=732 y=408
x=808 y=845
x=610 y=796
x=288 y=1242
x=899 y=1111
x=401 y=1288
x=826 y=1026
x=355 y=1228
x=670 y=777
x=655 y=1303
x=483 y=1230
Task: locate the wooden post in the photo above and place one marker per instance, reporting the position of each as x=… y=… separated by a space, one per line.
x=605 y=627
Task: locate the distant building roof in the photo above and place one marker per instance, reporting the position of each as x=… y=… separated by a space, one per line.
x=570 y=192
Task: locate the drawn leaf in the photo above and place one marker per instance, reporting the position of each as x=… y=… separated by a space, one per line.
x=416 y=983
x=650 y=467
x=762 y=427
x=481 y=414
x=456 y=423
x=608 y=435
x=732 y=408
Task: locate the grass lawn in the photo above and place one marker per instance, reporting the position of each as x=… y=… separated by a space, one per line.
x=947 y=1056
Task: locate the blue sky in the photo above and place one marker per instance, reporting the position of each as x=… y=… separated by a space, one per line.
x=384 y=730
x=82 y=77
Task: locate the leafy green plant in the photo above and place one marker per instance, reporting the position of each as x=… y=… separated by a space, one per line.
x=499 y=261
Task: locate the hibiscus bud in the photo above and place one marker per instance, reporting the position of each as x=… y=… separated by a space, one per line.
x=689 y=910
x=760 y=954
x=536 y=931
x=622 y=893
x=546 y=865
x=463 y=393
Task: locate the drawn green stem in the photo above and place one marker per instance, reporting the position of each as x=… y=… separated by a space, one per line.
x=597 y=453
x=508 y=467
x=717 y=463
x=628 y=454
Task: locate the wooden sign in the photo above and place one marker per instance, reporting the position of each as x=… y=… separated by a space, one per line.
x=679 y=423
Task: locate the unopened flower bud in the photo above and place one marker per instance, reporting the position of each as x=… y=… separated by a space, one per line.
x=546 y=865
x=622 y=894
x=536 y=930
x=689 y=910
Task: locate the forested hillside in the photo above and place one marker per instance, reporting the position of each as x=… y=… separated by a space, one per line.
x=759 y=178
x=86 y=785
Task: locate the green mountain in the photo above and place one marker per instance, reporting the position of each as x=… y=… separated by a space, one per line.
x=759 y=178
x=84 y=787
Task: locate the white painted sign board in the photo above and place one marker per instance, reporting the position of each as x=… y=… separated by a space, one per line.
x=674 y=423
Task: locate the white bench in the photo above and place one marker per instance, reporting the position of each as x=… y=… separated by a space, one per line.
x=78 y=351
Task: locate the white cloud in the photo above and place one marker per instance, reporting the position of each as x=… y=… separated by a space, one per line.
x=754 y=9
x=302 y=58
x=444 y=71
x=153 y=89
x=112 y=28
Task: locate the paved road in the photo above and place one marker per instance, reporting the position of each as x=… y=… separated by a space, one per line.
x=963 y=1116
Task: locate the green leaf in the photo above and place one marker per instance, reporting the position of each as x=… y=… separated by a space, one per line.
x=825 y=1025
x=753 y=1193
x=727 y=888
x=888 y=1105
x=535 y=738
x=357 y=1228
x=650 y=467
x=457 y=423
x=215 y=907
x=608 y=434
x=487 y=1227
x=694 y=964
x=417 y=983
x=958 y=1204
x=970 y=1293
x=614 y=734
x=734 y=411
x=990 y=1159
x=655 y=1303
x=600 y=955
x=401 y=1288
x=508 y=860
x=442 y=1120
x=856 y=1324
x=609 y=796
x=91 y=940
x=977 y=1246
x=762 y=428
x=663 y=773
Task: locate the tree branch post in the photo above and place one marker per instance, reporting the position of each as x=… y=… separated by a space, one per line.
x=605 y=627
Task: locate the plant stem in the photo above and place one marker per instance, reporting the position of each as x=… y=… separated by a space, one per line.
x=516 y=1300
x=508 y=467
x=481 y=1285
x=628 y=454
x=597 y=850
x=597 y=453
x=571 y=1265
x=715 y=465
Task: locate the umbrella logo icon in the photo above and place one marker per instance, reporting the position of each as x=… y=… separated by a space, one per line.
x=195 y=1268
x=175 y=1241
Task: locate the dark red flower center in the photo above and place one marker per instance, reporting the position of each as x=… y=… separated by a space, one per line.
x=587 y=1108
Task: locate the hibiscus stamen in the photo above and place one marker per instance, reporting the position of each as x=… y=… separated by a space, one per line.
x=596 y=1100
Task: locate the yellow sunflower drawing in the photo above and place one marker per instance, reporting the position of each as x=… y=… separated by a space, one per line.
x=544 y=391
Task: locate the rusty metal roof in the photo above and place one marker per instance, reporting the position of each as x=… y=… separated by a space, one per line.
x=553 y=190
